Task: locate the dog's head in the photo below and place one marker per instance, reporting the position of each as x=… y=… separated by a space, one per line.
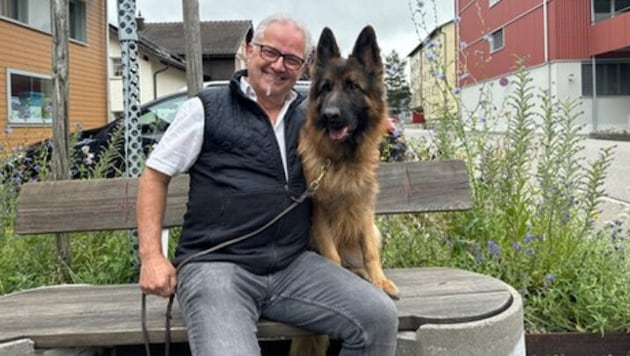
x=347 y=95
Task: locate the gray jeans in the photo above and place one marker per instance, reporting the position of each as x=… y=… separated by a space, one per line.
x=222 y=303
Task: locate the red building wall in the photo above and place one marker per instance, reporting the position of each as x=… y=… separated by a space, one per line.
x=522 y=21
x=569 y=27
x=610 y=35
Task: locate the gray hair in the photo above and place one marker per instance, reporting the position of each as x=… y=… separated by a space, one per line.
x=284 y=18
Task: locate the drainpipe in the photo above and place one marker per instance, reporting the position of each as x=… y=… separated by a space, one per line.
x=594 y=75
x=457 y=41
x=546 y=44
x=155 y=80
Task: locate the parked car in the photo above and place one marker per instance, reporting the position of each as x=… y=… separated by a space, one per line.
x=100 y=151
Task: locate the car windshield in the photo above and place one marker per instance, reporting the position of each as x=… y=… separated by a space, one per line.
x=154 y=119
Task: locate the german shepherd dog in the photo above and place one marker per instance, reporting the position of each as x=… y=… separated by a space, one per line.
x=346 y=121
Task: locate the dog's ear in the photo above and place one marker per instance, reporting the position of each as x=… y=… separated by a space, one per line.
x=327 y=47
x=366 y=50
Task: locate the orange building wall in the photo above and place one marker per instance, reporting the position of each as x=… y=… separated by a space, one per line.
x=26 y=49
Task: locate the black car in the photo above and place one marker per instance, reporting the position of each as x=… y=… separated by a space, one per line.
x=100 y=152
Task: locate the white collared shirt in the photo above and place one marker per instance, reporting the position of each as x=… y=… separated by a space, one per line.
x=181 y=144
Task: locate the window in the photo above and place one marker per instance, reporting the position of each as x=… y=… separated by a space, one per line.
x=14 y=9
x=36 y=14
x=30 y=97
x=117 y=68
x=622 y=6
x=496 y=40
x=76 y=18
x=604 y=9
x=156 y=118
x=601 y=9
x=611 y=79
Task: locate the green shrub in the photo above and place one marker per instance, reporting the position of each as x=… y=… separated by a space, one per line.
x=533 y=220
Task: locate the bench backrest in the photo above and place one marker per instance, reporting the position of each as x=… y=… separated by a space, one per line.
x=110 y=204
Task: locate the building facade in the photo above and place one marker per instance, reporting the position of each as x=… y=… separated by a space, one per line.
x=159 y=72
x=432 y=68
x=571 y=49
x=26 y=68
x=222 y=43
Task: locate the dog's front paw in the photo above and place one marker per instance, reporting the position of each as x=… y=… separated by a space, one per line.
x=389 y=287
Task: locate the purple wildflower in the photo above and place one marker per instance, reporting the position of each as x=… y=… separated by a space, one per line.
x=549 y=279
x=495 y=250
x=516 y=246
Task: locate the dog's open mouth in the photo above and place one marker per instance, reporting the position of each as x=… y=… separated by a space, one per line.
x=338 y=134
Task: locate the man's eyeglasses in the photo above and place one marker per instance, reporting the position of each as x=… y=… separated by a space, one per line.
x=272 y=54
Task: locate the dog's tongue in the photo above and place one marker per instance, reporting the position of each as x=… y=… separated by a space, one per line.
x=338 y=134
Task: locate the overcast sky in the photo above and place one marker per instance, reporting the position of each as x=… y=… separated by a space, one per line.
x=391 y=19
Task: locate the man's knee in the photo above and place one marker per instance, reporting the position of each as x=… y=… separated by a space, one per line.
x=378 y=324
x=384 y=315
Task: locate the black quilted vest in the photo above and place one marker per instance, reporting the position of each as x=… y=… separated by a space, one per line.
x=237 y=184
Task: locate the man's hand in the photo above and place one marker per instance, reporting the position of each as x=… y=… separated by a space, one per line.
x=158 y=276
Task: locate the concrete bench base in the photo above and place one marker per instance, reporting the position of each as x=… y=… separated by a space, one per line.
x=501 y=334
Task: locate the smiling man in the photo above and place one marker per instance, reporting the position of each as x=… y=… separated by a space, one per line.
x=239 y=145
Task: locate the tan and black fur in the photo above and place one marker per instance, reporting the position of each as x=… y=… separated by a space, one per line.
x=345 y=123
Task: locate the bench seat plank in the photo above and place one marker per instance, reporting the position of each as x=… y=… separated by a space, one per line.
x=109 y=315
x=108 y=204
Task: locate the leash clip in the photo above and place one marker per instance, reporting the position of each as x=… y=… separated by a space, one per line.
x=315 y=184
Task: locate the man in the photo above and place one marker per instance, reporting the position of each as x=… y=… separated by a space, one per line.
x=238 y=144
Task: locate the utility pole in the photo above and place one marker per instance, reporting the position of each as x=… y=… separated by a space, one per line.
x=60 y=154
x=192 y=36
x=128 y=35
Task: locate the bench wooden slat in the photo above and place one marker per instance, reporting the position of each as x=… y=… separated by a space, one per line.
x=82 y=315
x=107 y=204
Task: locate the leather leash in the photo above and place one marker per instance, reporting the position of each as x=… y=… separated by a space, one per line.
x=167 y=337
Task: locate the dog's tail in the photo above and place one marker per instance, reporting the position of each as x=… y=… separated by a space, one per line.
x=312 y=345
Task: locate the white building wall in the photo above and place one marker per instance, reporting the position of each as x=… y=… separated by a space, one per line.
x=115 y=83
x=167 y=81
x=561 y=79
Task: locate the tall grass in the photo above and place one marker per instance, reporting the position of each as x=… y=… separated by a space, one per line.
x=533 y=221
x=31 y=261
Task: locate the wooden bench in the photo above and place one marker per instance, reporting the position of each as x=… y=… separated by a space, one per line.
x=442 y=311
